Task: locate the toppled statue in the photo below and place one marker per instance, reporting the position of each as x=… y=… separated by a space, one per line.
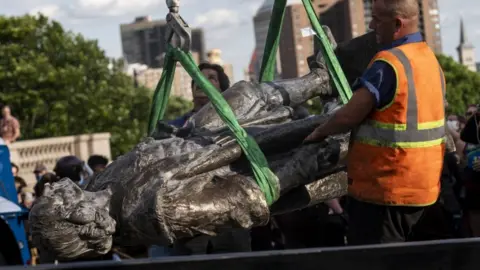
x=184 y=182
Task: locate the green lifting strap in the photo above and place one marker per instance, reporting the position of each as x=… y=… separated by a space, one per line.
x=264 y=177
x=267 y=72
x=162 y=92
x=336 y=73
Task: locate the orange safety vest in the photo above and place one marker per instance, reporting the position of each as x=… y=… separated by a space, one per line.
x=396 y=154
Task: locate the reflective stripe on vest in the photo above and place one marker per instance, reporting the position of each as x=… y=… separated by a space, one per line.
x=409 y=135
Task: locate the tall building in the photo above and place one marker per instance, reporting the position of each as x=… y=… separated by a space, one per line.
x=143 y=41
x=346 y=19
x=261 y=22
x=430 y=24
x=253 y=67
x=214 y=56
x=466 y=51
x=149 y=77
x=350 y=18
x=294 y=48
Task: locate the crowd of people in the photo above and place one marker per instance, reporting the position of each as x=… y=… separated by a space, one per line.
x=429 y=189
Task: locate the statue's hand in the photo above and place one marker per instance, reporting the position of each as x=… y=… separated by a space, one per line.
x=69 y=223
x=165 y=131
x=185 y=131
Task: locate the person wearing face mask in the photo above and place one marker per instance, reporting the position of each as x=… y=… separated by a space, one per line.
x=216 y=75
x=39 y=171
x=73 y=168
x=453 y=123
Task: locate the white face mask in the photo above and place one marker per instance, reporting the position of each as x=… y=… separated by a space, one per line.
x=453 y=124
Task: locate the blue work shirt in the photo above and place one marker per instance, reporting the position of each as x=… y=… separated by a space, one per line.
x=180 y=121
x=380 y=78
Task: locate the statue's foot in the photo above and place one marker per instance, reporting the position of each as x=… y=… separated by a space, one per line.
x=69 y=223
x=317 y=61
x=318 y=66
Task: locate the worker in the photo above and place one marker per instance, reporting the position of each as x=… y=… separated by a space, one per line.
x=397 y=122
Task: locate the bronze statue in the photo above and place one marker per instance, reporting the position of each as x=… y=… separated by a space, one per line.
x=185 y=182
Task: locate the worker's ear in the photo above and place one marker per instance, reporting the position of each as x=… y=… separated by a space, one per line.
x=398 y=24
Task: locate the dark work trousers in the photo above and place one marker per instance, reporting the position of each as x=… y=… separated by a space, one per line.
x=311 y=227
x=374 y=224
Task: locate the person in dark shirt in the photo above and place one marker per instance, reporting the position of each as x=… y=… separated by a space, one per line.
x=97 y=163
x=216 y=75
x=380 y=78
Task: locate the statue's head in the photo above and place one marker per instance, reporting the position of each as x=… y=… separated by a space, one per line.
x=68 y=222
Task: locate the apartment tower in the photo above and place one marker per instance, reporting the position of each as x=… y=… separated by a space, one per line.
x=143 y=41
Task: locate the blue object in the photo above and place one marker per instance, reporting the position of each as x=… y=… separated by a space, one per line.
x=13 y=245
x=472 y=156
x=380 y=78
x=158 y=251
x=180 y=121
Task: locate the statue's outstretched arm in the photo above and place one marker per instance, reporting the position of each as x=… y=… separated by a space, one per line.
x=249 y=99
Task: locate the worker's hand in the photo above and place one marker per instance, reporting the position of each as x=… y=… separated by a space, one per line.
x=476 y=165
x=315 y=136
x=334 y=207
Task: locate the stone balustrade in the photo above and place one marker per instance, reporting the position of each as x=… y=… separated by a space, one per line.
x=27 y=154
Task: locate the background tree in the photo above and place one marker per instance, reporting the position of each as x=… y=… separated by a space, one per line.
x=59 y=83
x=463 y=85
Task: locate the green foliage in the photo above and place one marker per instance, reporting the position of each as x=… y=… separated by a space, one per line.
x=59 y=83
x=463 y=85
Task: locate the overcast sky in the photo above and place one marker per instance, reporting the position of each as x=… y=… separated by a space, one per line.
x=227 y=23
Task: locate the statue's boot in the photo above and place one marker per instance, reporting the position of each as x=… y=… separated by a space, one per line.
x=328 y=187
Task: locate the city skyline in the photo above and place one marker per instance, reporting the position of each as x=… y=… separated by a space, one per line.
x=222 y=22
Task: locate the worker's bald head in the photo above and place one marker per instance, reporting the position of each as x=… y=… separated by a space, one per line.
x=406 y=9
x=393 y=19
